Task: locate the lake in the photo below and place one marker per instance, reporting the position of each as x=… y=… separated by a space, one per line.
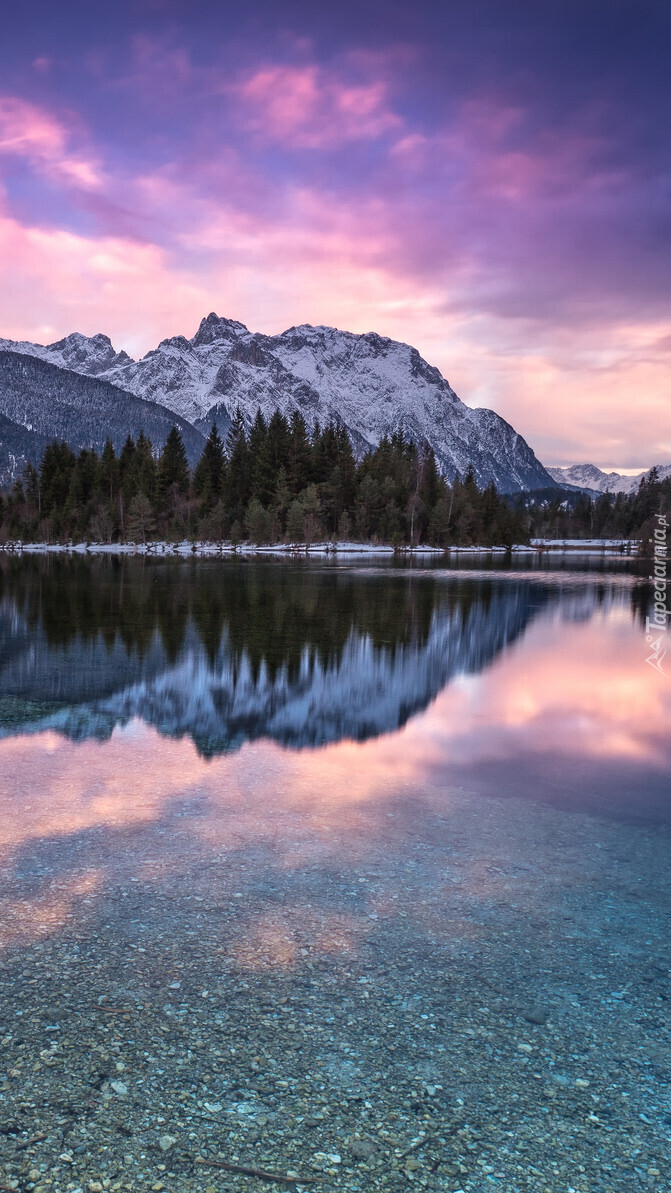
x=347 y=874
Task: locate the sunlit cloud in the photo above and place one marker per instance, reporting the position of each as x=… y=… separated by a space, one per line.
x=29 y=132
x=307 y=108
x=52 y=279
x=515 y=253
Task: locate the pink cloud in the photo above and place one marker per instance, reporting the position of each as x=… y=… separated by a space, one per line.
x=52 y=279
x=29 y=132
x=305 y=107
x=459 y=242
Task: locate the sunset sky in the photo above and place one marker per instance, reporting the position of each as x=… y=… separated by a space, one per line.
x=489 y=180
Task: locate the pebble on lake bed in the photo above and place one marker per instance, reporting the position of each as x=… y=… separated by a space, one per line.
x=375 y=1063
x=536 y=1014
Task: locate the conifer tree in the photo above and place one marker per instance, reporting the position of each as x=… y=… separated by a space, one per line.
x=31 y=484
x=173 y=468
x=299 y=458
x=237 y=486
x=109 y=473
x=260 y=459
x=126 y=456
x=144 y=467
x=56 y=470
x=295 y=487
x=278 y=444
x=208 y=478
x=295 y=522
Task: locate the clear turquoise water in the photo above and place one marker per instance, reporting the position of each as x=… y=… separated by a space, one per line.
x=412 y=804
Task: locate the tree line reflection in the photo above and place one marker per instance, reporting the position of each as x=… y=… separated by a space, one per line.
x=227 y=652
x=268 y=611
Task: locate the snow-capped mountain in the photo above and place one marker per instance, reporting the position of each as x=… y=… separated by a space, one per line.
x=588 y=476
x=372 y=384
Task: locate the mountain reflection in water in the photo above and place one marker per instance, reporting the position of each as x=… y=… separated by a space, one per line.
x=231 y=652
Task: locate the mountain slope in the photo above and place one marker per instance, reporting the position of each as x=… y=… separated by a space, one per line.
x=18 y=445
x=372 y=384
x=43 y=402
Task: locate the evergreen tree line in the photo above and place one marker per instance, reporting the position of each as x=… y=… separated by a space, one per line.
x=611 y=515
x=274 y=482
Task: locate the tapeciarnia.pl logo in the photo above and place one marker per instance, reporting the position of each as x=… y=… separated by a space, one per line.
x=656 y=625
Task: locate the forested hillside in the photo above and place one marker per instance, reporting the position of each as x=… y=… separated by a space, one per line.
x=274 y=483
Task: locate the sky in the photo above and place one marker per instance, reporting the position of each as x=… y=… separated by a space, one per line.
x=488 y=180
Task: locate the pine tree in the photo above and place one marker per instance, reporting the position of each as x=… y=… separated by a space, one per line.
x=109 y=473
x=281 y=500
x=429 y=478
x=173 y=468
x=299 y=461
x=324 y=452
x=312 y=524
x=56 y=470
x=126 y=457
x=260 y=460
x=31 y=485
x=145 y=470
x=279 y=439
x=395 y=494
x=237 y=487
x=208 y=478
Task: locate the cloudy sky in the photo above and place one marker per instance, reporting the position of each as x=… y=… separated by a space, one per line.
x=489 y=180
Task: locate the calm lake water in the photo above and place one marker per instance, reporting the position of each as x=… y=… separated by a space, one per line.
x=523 y=682
x=434 y=800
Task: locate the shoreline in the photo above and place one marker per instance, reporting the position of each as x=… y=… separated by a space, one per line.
x=202 y=549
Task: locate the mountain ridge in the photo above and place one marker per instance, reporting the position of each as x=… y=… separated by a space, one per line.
x=371 y=384
x=589 y=476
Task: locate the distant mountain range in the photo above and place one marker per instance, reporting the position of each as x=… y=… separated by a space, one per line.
x=371 y=384
x=588 y=476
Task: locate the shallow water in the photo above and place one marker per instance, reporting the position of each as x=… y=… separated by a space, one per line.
x=424 y=806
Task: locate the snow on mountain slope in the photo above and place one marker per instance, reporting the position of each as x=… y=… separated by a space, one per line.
x=45 y=401
x=372 y=384
x=588 y=476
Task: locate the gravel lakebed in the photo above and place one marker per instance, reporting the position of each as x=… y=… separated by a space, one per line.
x=477 y=1000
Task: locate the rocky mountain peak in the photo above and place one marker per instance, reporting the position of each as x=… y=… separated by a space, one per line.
x=179 y=342
x=86 y=354
x=214 y=327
